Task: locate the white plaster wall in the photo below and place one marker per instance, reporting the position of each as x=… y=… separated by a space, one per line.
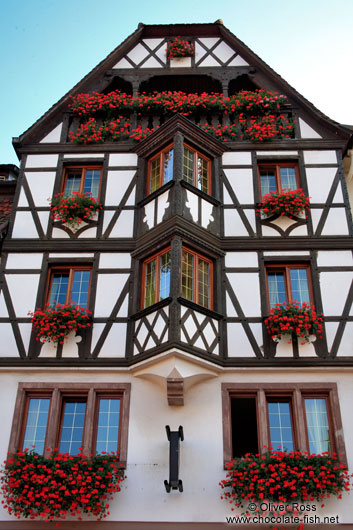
x=247 y=289
x=84 y=155
x=334 y=258
x=117 y=184
x=306 y=131
x=41 y=161
x=238 y=342
x=320 y=157
x=201 y=452
x=124 y=227
x=336 y=223
x=24 y=226
x=26 y=260
x=123 y=159
x=41 y=185
x=241 y=259
x=114 y=260
x=109 y=287
x=276 y=153
x=334 y=290
x=241 y=180
x=23 y=291
x=320 y=182
x=53 y=136
x=239 y=158
x=233 y=224
x=8 y=346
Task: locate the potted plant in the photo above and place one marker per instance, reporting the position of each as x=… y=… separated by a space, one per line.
x=180 y=48
x=54 y=323
x=290 y=203
x=75 y=209
x=292 y=317
x=279 y=483
x=58 y=484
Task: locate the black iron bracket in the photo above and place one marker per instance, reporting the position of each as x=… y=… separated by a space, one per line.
x=174 y=438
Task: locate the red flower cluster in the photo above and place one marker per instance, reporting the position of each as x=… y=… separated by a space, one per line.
x=58 y=485
x=259 y=129
x=255 y=102
x=89 y=133
x=291 y=317
x=116 y=130
x=284 y=478
x=73 y=210
x=180 y=48
x=286 y=202
x=53 y=324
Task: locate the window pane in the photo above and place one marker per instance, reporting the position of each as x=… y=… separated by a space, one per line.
x=80 y=284
x=155 y=173
x=202 y=174
x=281 y=435
x=203 y=283
x=276 y=288
x=73 y=183
x=58 y=290
x=72 y=428
x=164 y=280
x=36 y=426
x=268 y=181
x=150 y=283
x=92 y=179
x=299 y=284
x=244 y=426
x=188 y=166
x=318 y=426
x=288 y=179
x=168 y=165
x=108 y=425
x=187 y=265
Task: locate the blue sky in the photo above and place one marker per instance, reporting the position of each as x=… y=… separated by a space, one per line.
x=47 y=46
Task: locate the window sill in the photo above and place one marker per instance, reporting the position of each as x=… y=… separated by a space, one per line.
x=156 y=193
x=151 y=308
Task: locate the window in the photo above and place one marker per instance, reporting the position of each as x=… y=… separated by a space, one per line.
x=156 y=278
x=288 y=282
x=160 y=169
x=197 y=169
x=278 y=177
x=196 y=278
x=286 y=416
x=71 y=416
x=69 y=284
x=82 y=179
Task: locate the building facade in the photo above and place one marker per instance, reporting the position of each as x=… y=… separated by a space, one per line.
x=180 y=273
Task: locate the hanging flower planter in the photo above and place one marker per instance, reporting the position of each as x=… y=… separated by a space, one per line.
x=74 y=210
x=285 y=479
x=292 y=318
x=58 y=485
x=53 y=324
x=290 y=203
x=180 y=48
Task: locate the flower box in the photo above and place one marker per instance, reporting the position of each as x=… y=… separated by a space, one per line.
x=55 y=486
x=293 y=318
x=286 y=479
x=290 y=203
x=180 y=62
x=74 y=210
x=180 y=48
x=55 y=323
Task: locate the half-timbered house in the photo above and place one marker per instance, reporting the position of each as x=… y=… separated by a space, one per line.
x=179 y=272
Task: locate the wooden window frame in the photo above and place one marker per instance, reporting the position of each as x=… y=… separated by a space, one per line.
x=83 y=169
x=296 y=393
x=58 y=393
x=209 y=168
x=71 y=270
x=159 y=155
x=277 y=170
x=157 y=257
x=195 y=276
x=285 y=268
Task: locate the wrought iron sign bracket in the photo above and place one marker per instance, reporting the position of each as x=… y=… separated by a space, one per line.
x=174 y=438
